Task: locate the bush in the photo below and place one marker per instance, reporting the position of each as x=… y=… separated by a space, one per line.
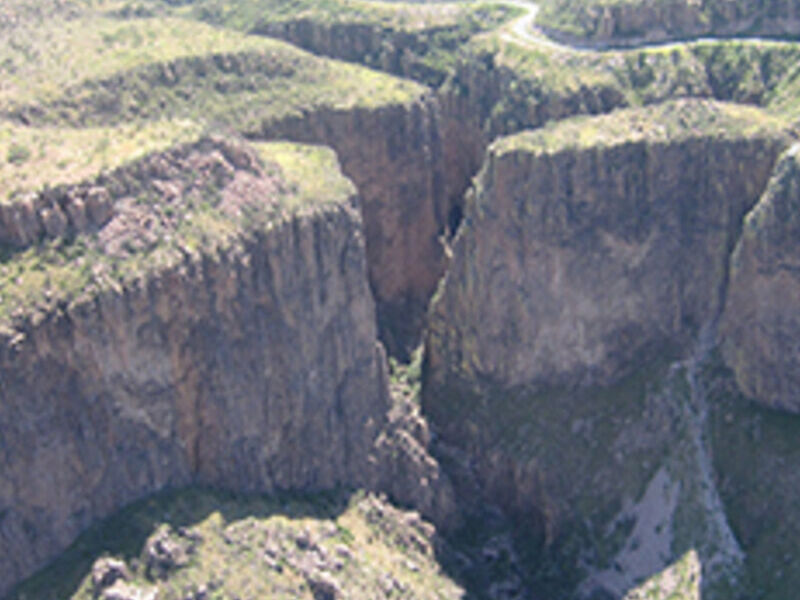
x=18 y=154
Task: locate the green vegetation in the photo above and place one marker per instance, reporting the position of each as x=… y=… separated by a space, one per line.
x=406 y=378
x=65 y=271
x=396 y=15
x=258 y=547
x=755 y=455
x=170 y=68
x=542 y=83
x=311 y=172
x=50 y=156
x=670 y=121
x=428 y=36
x=40 y=63
x=680 y=581
x=93 y=93
x=621 y=20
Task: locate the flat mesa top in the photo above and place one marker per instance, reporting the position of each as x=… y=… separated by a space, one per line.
x=663 y=123
x=93 y=93
x=41 y=63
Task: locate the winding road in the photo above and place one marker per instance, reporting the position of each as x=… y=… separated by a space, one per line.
x=523 y=31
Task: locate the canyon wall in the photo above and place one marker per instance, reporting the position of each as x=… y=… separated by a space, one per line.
x=250 y=364
x=633 y=23
x=394 y=51
x=761 y=323
x=398 y=158
x=574 y=261
x=396 y=147
x=592 y=258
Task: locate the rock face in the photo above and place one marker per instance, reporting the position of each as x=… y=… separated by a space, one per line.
x=395 y=51
x=761 y=323
x=576 y=260
x=502 y=100
x=592 y=254
x=394 y=155
x=67 y=211
x=252 y=366
x=631 y=23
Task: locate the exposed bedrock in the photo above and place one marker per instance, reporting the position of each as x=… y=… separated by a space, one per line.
x=503 y=101
x=761 y=322
x=393 y=51
x=69 y=210
x=411 y=164
x=631 y=23
x=254 y=367
x=577 y=258
x=593 y=254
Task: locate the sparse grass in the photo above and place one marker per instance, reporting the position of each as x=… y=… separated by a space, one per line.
x=236 y=80
x=676 y=19
x=667 y=122
x=540 y=83
x=59 y=272
x=312 y=172
x=260 y=547
x=39 y=63
x=407 y=16
x=53 y=156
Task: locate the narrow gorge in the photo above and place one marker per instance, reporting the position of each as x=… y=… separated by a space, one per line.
x=422 y=309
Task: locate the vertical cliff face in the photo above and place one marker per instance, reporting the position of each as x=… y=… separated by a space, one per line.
x=577 y=258
x=248 y=363
x=394 y=155
x=395 y=51
x=761 y=323
x=592 y=255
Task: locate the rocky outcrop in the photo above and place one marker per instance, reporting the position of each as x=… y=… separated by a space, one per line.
x=397 y=146
x=392 y=50
x=761 y=322
x=505 y=100
x=394 y=155
x=250 y=364
x=576 y=260
x=67 y=211
x=593 y=253
x=634 y=23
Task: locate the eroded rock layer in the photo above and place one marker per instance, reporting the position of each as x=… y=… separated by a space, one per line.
x=394 y=155
x=593 y=256
x=761 y=323
x=248 y=363
x=590 y=244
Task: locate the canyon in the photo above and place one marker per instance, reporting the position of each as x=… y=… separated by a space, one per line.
x=541 y=301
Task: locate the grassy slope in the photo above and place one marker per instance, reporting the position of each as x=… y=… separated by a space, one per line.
x=32 y=157
x=581 y=18
x=367 y=547
x=671 y=121
x=62 y=271
x=535 y=84
x=58 y=59
x=99 y=91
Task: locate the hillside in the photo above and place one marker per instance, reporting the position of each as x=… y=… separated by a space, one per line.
x=631 y=22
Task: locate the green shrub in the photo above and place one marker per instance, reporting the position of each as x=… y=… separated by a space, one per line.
x=18 y=154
